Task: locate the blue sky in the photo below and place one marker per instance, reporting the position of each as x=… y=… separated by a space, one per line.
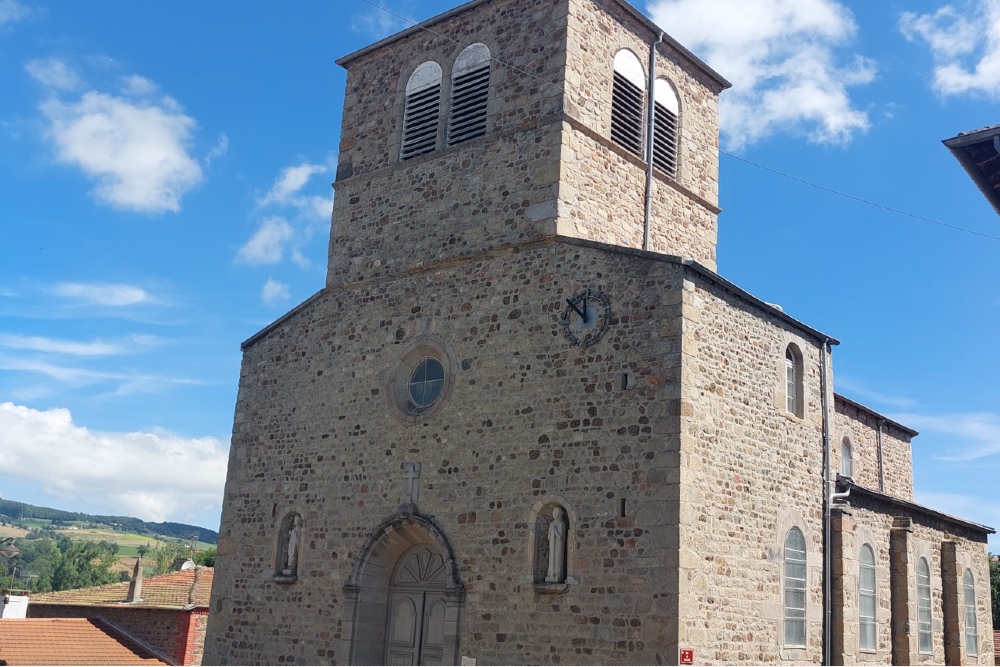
x=165 y=178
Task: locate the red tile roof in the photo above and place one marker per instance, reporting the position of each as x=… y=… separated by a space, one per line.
x=70 y=641
x=996 y=644
x=186 y=589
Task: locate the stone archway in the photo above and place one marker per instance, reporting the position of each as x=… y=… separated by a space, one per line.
x=404 y=597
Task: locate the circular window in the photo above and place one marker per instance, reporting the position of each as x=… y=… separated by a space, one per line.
x=420 y=382
x=426 y=383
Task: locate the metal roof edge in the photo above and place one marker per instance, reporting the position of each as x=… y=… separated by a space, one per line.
x=859 y=406
x=892 y=500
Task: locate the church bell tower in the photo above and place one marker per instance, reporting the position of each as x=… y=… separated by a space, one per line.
x=506 y=122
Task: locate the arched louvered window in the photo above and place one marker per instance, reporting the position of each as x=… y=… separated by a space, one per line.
x=925 y=640
x=628 y=101
x=795 y=588
x=666 y=111
x=470 y=87
x=846 y=459
x=421 y=111
x=971 y=631
x=867 y=596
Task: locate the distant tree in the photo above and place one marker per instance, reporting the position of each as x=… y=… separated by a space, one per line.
x=995 y=591
x=206 y=557
x=164 y=555
x=84 y=564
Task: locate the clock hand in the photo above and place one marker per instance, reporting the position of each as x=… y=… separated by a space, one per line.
x=581 y=313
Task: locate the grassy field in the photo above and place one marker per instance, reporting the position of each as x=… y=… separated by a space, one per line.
x=128 y=543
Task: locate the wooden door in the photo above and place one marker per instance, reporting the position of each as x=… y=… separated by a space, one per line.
x=415 y=627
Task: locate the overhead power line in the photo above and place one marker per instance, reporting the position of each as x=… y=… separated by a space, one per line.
x=861 y=200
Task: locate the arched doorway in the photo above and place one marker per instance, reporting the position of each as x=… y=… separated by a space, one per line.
x=404 y=597
x=417 y=609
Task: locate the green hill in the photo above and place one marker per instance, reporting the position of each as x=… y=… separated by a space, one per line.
x=12 y=511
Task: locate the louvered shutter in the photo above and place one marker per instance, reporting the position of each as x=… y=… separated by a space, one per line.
x=421 y=111
x=627 y=95
x=470 y=87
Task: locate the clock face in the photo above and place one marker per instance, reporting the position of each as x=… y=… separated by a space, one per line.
x=586 y=318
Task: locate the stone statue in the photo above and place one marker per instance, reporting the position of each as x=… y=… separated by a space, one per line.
x=557 y=548
x=292 y=551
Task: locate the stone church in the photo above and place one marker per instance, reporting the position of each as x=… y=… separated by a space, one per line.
x=527 y=422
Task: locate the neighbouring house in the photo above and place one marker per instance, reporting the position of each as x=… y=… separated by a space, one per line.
x=71 y=641
x=167 y=613
x=978 y=152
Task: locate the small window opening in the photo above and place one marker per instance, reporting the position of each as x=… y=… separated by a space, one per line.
x=665 y=113
x=421 y=111
x=925 y=640
x=846 y=459
x=470 y=84
x=627 y=101
x=426 y=382
x=621 y=507
x=971 y=630
x=795 y=588
x=867 y=598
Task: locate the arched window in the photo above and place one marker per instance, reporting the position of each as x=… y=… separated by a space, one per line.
x=867 y=600
x=627 y=101
x=666 y=110
x=421 y=111
x=793 y=381
x=846 y=459
x=925 y=640
x=470 y=87
x=971 y=631
x=795 y=588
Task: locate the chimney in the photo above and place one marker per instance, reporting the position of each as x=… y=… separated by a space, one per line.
x=135 y=585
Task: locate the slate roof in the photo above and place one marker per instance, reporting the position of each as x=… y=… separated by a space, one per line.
x=70 y=641
x=186 y=589
x=978 y=154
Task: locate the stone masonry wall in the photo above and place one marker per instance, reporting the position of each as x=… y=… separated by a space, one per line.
x=492 y=191
x=749 y=472
x=603 y=184
x=861 y=427
x=853 y=527
x=869 y=520
x=528 y=419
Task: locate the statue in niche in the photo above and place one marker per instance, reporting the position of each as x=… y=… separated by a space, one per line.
x=557 y=548
x=292 y=541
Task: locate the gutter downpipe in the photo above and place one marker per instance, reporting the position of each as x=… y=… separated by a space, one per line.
x=881 y=463
x=650 y=116
x=828 y=491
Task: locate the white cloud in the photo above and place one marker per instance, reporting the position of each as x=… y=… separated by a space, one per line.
x=132 y=146
x=41 y=344
x=856 y=388
x=11 y=11
x=156 y=476
x=218 y=150
x=971 y=436
x=274 y=292
x=290 y=182
x=53 y=73
x=102 y=294
x=381 y=22
x=782 y=57
x=965 y=45
x=267 y=245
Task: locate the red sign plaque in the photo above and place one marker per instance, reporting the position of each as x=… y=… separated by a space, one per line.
x=687 y=656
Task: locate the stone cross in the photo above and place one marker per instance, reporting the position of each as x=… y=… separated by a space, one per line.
x=411 y=492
